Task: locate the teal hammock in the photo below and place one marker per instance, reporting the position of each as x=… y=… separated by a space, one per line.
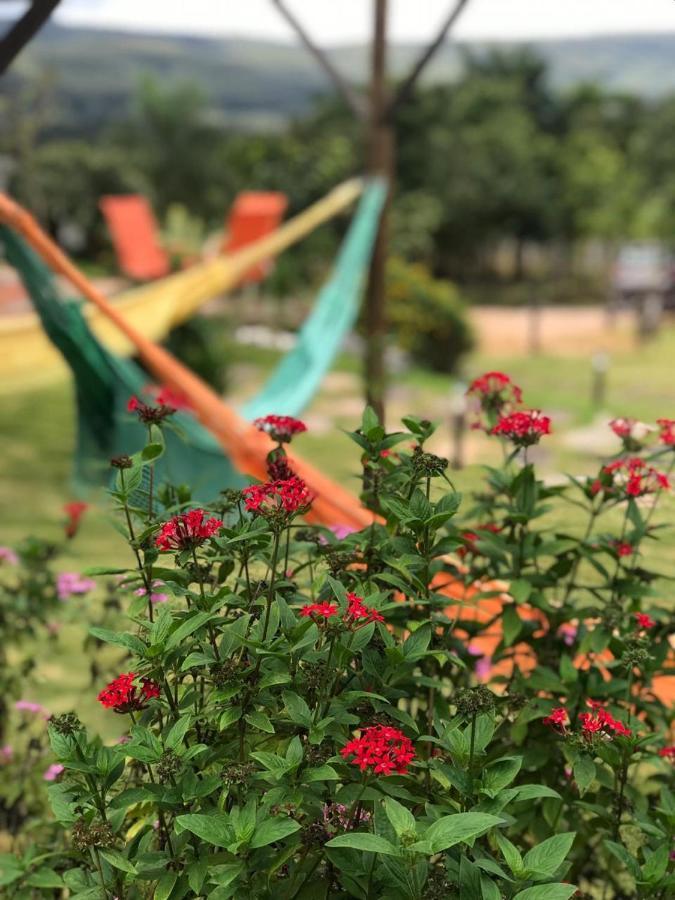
x=104 y=382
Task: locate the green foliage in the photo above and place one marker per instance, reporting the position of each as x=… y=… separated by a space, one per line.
x=304 y=718
x=427 y=316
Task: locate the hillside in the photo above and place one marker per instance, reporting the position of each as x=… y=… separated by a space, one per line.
x=257 y=84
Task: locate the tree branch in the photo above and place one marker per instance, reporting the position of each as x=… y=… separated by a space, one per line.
x=23 y=30
x=406 y=88
x=350 y=97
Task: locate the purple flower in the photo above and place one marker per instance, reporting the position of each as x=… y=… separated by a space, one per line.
x=29 y=706
x=9 y=556
x=341 y=531
x=72 y=584
x=53 y=772
x=155 y=597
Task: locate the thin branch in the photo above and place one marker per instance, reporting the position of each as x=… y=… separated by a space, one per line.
x=408 y=84
x=350 y=97
x=23 y=30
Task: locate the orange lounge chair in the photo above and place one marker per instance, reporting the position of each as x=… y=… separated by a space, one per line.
x=134 y=232
x=254 y=214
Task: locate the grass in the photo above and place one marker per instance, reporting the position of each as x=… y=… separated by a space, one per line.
x=39 y=434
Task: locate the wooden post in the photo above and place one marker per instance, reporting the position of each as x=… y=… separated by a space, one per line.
x=380 y=162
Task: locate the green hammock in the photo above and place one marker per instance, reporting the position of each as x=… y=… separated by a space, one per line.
x=104 y=382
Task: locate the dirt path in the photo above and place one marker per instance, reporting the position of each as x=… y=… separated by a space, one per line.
x=560 y=330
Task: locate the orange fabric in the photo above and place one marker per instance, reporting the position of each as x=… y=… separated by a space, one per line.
x=248 y=448
x=134 y=233
x=254 y=214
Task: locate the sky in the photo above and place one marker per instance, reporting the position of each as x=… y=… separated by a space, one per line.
x=340 y=21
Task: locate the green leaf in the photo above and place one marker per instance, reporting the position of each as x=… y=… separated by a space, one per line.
x=469 y=880
x=151 y=452
x=188 y=627
x=44 y=878
x=92 y=571
x=620 y=852
x=401 y=818
x=584 y=773
x=511 y=854
x=273 y=830
x=655 y=867
x=416 y=645
x=229 y=717
x=547 y=892
x=118 y=861
x=297 y=709
x=165 y=885
x=547 y=857
x=120 y=639
x=458 y=828
x=260 y=721
x=178 y=731
x=512 y=624
x=500 y=774
x=215 y=829
x=364 y=841
x=534 y=792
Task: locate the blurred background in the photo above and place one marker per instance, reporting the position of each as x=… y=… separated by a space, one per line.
x=531 y=227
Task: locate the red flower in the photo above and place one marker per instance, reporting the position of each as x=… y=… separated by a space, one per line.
x=622 y=548
x=602 y=722
x=167 y=396
x=644 y=621
x=523 y=428
x=289 y=496
x=667 y=432
x=471 y=537
x=632 y=475
x=187 y=531
x=280 y=428
x=74 y=511
x=381 y=749
x=667 y=752
x=622 y=427
x=151 y=415
x=128 y=693
x=357 y=611
x=320 y=610
x=495 y=389
x=557 y=719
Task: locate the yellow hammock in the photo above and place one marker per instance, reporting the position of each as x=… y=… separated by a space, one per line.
x=28 y=359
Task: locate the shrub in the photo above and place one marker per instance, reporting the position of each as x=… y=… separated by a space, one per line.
x=427 y=316
x=421 y=709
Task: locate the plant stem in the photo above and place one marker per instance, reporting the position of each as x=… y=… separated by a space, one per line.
x=270 y=593
x=97 y=860
x=356 y=807
x=132 y=541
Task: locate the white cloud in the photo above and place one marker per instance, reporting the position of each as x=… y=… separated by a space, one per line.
x=336 y=21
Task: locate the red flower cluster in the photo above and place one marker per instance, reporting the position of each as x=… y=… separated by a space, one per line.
x=357 y=611
x=289 y=495
x=557 y=719
x=167 y=396
x=187 y=531
x=667 y=432
x=633 y=474
x=645 y=621
x=667 y=752
x=280 y=428
x=495 y=390
x=74 y=511
x=381 y=749
x=523 y=428
x=602 y=722
x=622 y=427
x=319 y=610
x=150 y=415
x=128 y=693
x=471 y=537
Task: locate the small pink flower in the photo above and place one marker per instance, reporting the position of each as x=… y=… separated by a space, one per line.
x=72 y=584
x=9 y=556
x=29 y=706
x=568 y=632
x=483 y=668
x=155 y=597
x=341 y=531
x=6 y=754
x=53 y=772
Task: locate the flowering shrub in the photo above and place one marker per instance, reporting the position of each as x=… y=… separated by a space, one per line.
x=430 y=707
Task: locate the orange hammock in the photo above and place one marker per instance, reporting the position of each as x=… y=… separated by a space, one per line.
x=248 y=449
